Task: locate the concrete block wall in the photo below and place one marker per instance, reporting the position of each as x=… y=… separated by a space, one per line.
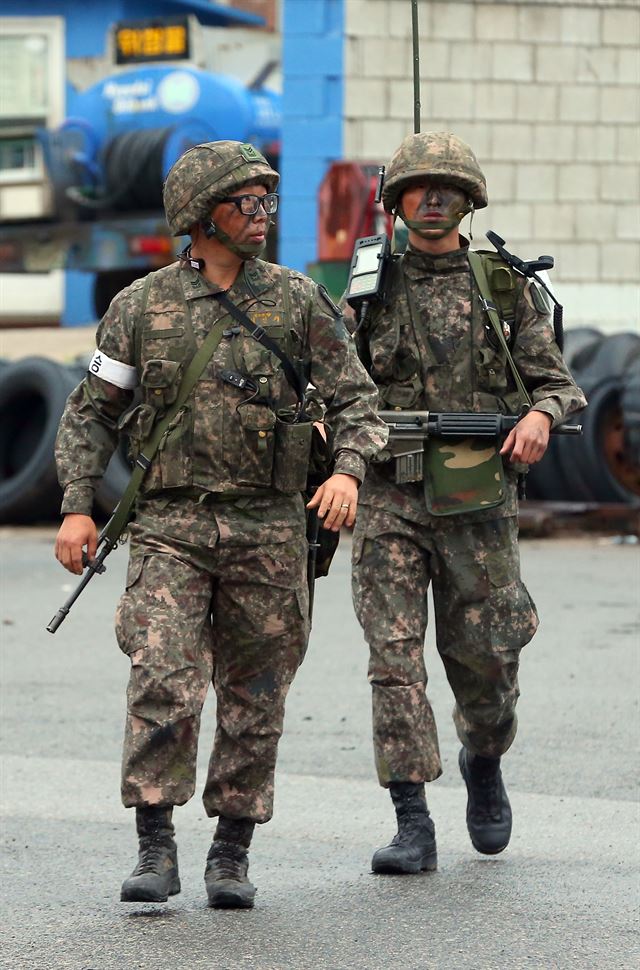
x=548 y=95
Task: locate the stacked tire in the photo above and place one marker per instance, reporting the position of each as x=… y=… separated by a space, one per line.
x=603 y=464
x=33 y=393
x=600 y=466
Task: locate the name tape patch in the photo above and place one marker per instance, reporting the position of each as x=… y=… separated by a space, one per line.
x=113 y=371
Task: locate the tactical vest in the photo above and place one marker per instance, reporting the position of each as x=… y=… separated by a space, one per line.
x=224 y=438
x=388 y=346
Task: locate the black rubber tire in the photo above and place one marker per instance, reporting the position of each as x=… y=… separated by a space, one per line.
x=33 y=393
x=630 y=402
x=546 y=479
x=589 y=474
x=613 y=356
x=580 y=344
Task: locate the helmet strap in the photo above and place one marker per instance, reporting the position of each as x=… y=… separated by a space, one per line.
x=242 y=250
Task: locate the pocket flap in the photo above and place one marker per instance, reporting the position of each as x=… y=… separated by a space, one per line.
x=160 y=373
x=138 y=422
x=256 y=417
x=134 y=570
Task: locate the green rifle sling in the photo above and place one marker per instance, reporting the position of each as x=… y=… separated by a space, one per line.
x=478 y=270
x=118 y=521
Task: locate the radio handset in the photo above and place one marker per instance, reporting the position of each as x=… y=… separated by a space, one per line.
x=367 y=273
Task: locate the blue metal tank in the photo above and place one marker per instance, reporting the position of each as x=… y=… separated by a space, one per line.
x=161 y=109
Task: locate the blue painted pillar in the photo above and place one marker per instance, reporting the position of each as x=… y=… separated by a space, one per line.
x=312 y=127
x=78 y=299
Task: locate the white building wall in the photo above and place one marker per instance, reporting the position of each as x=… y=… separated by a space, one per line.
x=548 y=96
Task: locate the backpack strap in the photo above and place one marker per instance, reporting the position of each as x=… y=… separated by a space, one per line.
x=476 y=263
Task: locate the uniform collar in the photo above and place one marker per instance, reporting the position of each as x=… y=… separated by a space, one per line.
x=418 y=264
x=254 y=278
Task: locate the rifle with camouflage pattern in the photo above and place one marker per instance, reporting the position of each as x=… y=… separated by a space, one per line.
x=408 y=431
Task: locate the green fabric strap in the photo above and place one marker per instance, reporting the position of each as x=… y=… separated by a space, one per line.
x=118 y=521
x=477 y=268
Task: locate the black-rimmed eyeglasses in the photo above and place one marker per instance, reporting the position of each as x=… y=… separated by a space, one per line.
x=249 y=204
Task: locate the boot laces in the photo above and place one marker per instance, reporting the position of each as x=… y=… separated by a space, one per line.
x=488 y=801
x=410 y=821
x=230 y=861
x=152 y=854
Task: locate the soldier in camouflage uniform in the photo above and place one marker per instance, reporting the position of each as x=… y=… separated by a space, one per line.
x=216 y=584
x=429 y=346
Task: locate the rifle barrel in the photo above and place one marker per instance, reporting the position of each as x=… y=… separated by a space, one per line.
x=415 y=424
x=93 y=566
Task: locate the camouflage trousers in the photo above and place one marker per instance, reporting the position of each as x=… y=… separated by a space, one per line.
x=483 y=616
x=215 y=592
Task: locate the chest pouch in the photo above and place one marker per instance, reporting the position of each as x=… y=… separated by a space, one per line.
x=253 y=449
x=462 y=475
x=160 y=381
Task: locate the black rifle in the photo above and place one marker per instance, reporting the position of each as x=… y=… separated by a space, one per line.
x=408 y=431
x=313 y=536
x=93 y=567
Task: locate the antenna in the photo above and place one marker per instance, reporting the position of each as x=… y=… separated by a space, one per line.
x=416 y=66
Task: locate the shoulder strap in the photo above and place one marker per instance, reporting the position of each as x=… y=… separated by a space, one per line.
x=478 y=270
x=137 y=336
x=259 y=334
x=118 y=521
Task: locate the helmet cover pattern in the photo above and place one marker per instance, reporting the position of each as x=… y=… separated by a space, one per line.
x=434 y=154
x=205 y=175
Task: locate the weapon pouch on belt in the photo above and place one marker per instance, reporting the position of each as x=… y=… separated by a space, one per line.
x=462 y=475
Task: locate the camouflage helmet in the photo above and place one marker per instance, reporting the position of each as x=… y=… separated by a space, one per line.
x=208 y=173
x=434 y=154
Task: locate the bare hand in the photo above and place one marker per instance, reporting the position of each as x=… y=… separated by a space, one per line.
x=76 y=533
x=336 y=501
x=528 y=441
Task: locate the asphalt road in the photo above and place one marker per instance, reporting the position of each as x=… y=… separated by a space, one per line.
x=564 y=894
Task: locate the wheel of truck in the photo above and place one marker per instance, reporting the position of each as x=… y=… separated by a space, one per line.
x=33 y=392
x=110 y=282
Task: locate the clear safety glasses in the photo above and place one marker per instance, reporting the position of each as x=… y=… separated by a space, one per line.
x=249 y=204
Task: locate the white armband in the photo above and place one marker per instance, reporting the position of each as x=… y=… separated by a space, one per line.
x=113 y=371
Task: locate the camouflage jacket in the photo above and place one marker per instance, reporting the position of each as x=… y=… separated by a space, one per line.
x=430 y=346
x=226 y=439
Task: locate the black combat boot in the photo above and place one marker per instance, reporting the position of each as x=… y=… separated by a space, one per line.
x=225 y=876
x=414 y=846
x=488 y=808
x=155 y=878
